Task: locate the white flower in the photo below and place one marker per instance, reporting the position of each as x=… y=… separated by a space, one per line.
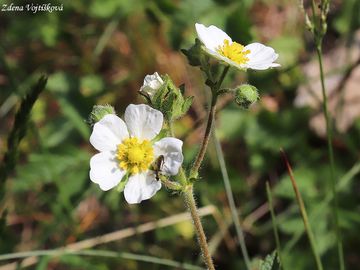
x=127 y=147
x=218 y=44
x=151 y=84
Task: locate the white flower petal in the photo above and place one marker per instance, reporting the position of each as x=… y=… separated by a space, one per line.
x=261 y=57
x=108 y=133
x=105 y=171
x=143 y=121
x=141 y=187
x=151 y=84
x=171 y=149
x=212 y=37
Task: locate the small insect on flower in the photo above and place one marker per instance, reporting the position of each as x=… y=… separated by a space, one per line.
x=129 y=148
x=157 y=166
x=219 y=45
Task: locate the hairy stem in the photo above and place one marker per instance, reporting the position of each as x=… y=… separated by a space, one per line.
x=209 y=124
x=188 y=188
x=205 y=141
x=191 y=205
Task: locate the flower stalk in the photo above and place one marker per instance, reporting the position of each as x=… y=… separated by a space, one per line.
x=332 y=162
x=206 y=139
x=214 y=95
x=318 y=27
x=191 y=205
x=188 y=190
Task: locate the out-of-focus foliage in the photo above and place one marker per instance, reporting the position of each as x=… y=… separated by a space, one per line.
x=98 y=52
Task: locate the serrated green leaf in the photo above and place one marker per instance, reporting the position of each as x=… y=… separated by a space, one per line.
x=270 y=263
x=187 y=104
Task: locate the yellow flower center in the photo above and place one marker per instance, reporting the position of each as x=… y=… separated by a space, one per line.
x=135 y=156
x=234 y=52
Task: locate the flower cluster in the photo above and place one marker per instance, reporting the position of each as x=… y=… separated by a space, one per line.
x=133 y=154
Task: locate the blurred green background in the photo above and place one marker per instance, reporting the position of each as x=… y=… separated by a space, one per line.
x=98 y=51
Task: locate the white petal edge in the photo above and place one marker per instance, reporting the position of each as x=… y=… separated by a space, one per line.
x=261 y=57
x=171 y=149
x=108 y=133
x=212 y=37
x=141 y=187
x=143 y=121
x=104 y=170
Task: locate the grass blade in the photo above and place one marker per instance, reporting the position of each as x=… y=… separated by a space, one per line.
x=303 y=213
x=230 y=197
x=101 y=253
x=18 y=131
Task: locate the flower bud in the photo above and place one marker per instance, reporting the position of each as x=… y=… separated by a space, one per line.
x=163 y=95
x=246 y=95
x=196 y=55
x=98 y=112
x=151 y=84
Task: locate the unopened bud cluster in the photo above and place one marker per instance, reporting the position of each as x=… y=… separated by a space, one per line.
x=163 y=95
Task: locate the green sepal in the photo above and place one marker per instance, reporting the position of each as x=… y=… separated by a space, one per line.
x=195 y=54
x=170 y=101
x=121 y=186
x=145 y=96
x=162 y=134
x=223 y=91
x=98 y=112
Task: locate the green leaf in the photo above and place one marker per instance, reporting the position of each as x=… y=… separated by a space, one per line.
x=292 y=225
x=270 y=263
x=162 y=134
x=306 y=181
x=187 y=104
x=74 y=116
x=288 y=47
x=91 y=85
x=67 y=168
x=59 y=82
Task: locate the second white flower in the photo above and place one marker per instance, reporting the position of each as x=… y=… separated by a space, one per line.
x=219 y=45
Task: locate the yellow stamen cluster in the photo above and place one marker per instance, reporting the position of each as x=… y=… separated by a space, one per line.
x=234 y=52
x=135 y=156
